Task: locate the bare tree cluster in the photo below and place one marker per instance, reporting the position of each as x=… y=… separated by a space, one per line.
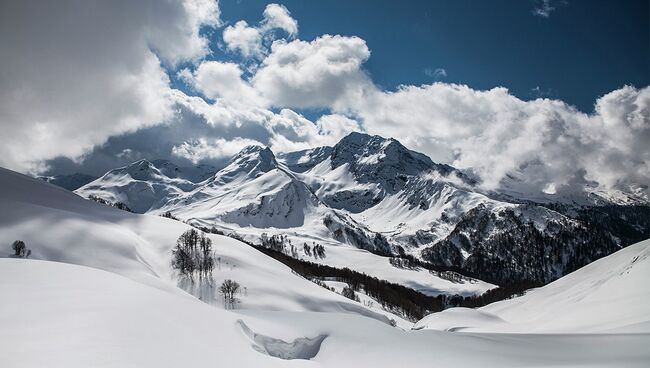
x=281 y=243
x=315 y=250
x=229 y=290
x=319 y=251
x=349 y=293
x=193 y=254
x=452 y=276
x=405 y=263
x=169 y=215
x=20 y=249
x=276 y=242
x=119 y=205
x=306 y=249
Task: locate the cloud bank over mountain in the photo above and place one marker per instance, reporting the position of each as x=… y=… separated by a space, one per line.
x=76 y=73
x=73 y=97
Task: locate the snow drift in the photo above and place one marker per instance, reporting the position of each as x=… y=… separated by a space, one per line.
x=61 y=315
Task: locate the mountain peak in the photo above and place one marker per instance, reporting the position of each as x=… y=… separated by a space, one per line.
x=252 y=148
x=138 y=170
x=255 y=153
x=141 y=164
x=379 y=155
x=358 y=139
x=252 y=160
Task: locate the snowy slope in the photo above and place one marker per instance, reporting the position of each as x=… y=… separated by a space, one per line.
x=252 y=190
x=59 y=315
x=195 y=174
x=610 y=294
x=58 y=225
x=141 y=186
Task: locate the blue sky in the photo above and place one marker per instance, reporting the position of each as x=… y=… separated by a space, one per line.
x=582 y=50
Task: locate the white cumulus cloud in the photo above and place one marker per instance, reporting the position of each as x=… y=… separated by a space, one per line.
x=550 y=143
x=313 y=74
x=335 y=126
x=216 y=79
x=543 y=8
x=278 y=17
x=203 y=149
x=80 y=72
x=249 y=40
x=245 y=39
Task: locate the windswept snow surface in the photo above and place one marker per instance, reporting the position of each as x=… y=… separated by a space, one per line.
x=608 y=295
x=61 y=315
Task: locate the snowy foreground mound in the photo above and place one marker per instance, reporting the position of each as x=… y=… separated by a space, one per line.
x=61 y=315
x=610 y=294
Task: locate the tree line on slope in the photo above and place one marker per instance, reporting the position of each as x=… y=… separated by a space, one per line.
x=281 y=243
x=411 y=304
x=119 y=205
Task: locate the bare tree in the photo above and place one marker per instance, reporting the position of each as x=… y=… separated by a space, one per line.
x=319 y=251
x=206 y=261
x=229 y=290
x=307 y=249
x=349 y=293
x=193 y=252
x=19 y=248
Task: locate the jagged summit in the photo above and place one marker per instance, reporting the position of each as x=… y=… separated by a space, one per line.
x=372 y=158
x=252 y=161
x=365 y=169
x=255 y=152
x=138 y=170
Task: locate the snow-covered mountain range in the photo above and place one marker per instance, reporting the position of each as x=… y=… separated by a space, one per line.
x=98 y=287
x=373 y=193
